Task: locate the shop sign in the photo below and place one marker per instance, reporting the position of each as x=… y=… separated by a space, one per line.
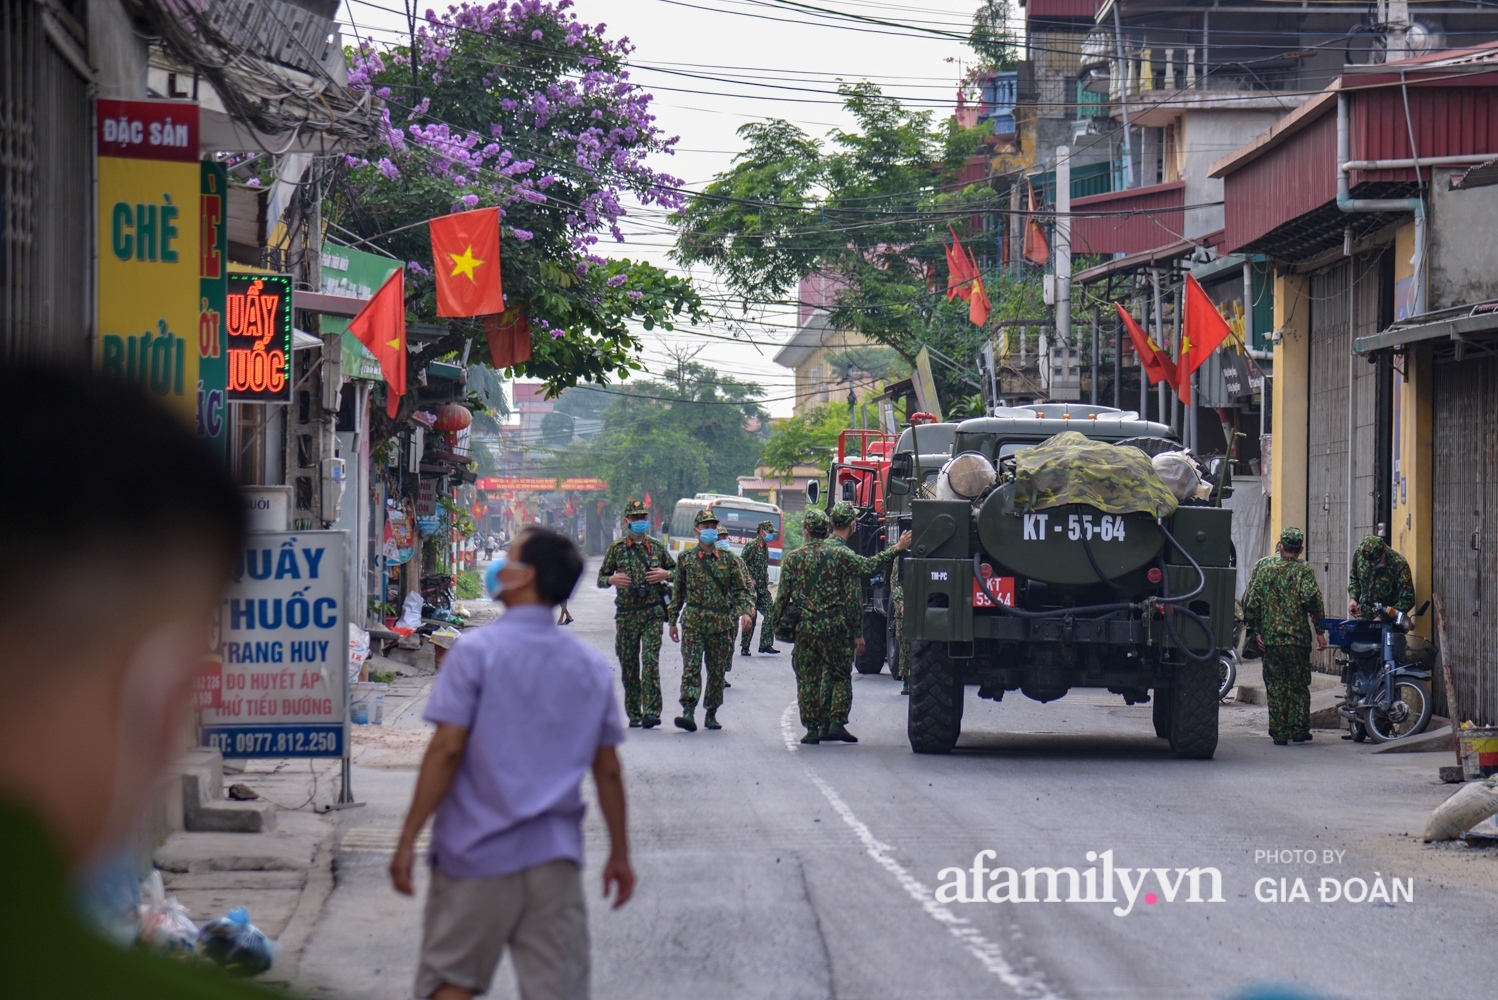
x=357 y=274
x=213 y=285
x=426 y=498
x=284 y=649
x=257 y=327
x=150 y=247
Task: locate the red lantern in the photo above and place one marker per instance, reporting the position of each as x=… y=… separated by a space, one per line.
x=452 y=418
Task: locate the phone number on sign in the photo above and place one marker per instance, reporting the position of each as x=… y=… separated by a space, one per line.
x=273 y=743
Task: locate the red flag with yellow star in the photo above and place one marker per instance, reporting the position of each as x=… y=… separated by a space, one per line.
x=381 y=327
x=465 y=257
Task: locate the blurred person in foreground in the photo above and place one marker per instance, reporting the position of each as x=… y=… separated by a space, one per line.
x=107 y=596
x=522 y=711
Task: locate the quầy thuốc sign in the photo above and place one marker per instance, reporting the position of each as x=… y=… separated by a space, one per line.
x=283 y=650
x=257 y=333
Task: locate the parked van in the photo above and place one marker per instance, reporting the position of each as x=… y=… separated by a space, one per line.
x=738 y=521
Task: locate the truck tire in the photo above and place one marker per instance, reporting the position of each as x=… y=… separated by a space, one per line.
x=935 y=719
x=872 y=660
x=1163 y=710
x=1194 y=703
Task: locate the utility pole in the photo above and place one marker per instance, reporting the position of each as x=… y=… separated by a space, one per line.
x=1063 y=245
x=1123 y=98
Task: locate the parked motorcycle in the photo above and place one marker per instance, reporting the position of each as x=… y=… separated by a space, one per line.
x=1386 y=668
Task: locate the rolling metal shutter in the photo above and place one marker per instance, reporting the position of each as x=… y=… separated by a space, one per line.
x=1464 y=555
x=46 y=162
x=1339 y=496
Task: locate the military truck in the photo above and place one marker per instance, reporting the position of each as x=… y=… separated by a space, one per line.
x=1015 y=582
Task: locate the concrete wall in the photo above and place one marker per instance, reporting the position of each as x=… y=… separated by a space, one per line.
x=116 y=51
x=1208 y=136
x=1291 y=400
x=1463 y=243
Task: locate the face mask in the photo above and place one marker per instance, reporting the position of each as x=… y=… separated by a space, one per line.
x=491 y=576
x=709 y=535
x=723 y=544
x=638 y=527
x=770 y=536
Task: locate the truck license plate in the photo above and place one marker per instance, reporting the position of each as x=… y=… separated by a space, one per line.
x=1001 y=587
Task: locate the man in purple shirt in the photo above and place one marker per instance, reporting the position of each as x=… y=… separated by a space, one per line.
x=522 y=712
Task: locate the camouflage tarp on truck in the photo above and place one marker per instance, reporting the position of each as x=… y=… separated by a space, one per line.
x=1070 y=468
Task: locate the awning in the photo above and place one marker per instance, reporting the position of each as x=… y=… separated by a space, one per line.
x=1147 y=258
x=1459 y=327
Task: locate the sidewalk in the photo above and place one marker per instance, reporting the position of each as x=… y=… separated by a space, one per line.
x=284 y=876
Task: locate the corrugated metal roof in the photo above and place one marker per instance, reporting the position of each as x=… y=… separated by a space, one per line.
x=1156 y=219
x=1061 y=8
x=1289 y=173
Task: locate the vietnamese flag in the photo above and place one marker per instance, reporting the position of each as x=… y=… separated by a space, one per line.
x=959 y=269
x=465 y=256
x=1202 y=332
x=1157 y=364
x=381 y=327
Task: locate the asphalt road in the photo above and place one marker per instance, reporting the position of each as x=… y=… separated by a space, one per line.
x=769 y=869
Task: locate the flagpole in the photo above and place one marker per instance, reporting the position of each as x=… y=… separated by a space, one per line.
x=1159 y=318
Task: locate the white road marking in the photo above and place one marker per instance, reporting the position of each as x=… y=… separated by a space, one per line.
x=989 y=953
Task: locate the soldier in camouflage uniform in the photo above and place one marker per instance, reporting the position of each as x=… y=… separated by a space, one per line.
x=815 y=578
x=756 y=557
x=639 y=568
x=1281 y=605
x=1380 y=578
x=711 y=591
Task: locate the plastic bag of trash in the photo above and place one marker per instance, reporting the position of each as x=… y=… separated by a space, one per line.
x=165 y=926
x=1475 y=802
x=236 y=944
x=1177 y=471
x=411 y=611
x=358 y=650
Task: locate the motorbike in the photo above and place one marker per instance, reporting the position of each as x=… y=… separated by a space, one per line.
x=1386 y=668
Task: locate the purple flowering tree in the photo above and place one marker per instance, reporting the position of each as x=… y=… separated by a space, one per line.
x=523 y=106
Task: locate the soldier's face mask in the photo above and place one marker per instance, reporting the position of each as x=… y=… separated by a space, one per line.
x=639 y=527
x=723 y=544
x=769 y=536
x=708 y=535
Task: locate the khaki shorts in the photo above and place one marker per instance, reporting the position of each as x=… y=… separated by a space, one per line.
x=538 y=912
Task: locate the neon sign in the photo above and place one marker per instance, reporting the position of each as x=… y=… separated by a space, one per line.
x=257 y=326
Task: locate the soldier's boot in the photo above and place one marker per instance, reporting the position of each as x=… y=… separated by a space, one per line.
x=743 y=650
x=838 y=731
x=813 y=735
x=650 y=721
x=685 y=721
x=768 y=651
x=905 y=688
x=711 y=720
x=635 y=723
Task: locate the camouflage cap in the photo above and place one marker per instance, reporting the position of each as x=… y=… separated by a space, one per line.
x=842 y=514
x=1293 y=538
x=635 y=509
x=815 y=522
x=704 y=516
x=767 y=526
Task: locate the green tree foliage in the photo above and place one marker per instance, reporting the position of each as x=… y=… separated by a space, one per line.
x=524 y=107
x=871 y=206
x=807 y=439
x=993 y=38
x=674 y=437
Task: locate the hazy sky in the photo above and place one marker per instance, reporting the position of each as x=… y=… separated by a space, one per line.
x=714 y=65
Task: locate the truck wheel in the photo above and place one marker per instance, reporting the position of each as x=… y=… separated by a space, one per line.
x=935 y=719
x=1193 y=722
x=1163 y=710
x=872 y=660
